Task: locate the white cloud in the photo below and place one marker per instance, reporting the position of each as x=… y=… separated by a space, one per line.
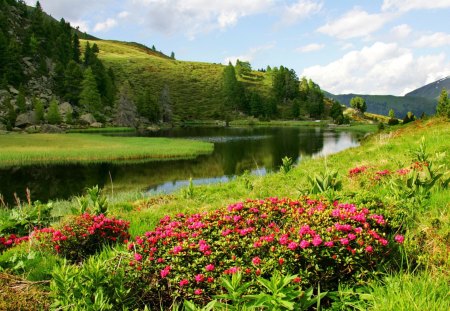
x=347 y=46
x=435 y=40
x=123 y=14
x=300 y=10
x=82 y=25
x=249 y=55
x=195 y=16
x=408 y=5
x=310 y=47
x=355 y=23
x=401 y=31
x=106 y=25
x=382 y=68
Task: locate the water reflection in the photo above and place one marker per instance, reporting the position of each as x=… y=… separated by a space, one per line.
x=236 y=150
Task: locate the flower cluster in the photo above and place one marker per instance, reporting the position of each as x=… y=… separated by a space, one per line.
x=313 y=239
x=10 y=241
x=82 y=235
x=357 y=170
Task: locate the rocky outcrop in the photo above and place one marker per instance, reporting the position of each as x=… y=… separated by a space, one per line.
x=87 y=119
x=25 y=119
x=48 y=128
x=65 y=109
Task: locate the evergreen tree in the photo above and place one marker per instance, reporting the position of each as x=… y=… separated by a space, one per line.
x=233 y=98
x=10 y=117
x=38 y=110
x=53 y=116
x=166 y=105
x=336 y=112
x=148 y=107
x=87 y=54
x=90 y=98
x=443 y=106
x=172 y=55
x=73 y=77
x=256 y=108
x=76 y=50
x=126 y=110
x=21 y=101
x=4 y=57
x=315 y=100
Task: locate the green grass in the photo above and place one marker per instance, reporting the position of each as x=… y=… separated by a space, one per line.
x=102 y=130
x=256 y=122
x=20 y=149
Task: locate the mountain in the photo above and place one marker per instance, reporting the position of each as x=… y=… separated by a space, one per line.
x=431 y=90
x=381 y=104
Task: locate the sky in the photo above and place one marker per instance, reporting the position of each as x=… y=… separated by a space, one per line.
x=346 y=46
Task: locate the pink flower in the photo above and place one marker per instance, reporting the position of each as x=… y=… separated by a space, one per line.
x=383 y=242
x=177 y=249
x=198 y=291
x=165 y=272
x=256 y=261
x=209 y=267
x=399 y=239
x=351 y=236
x=344 y=241
x=317 y=240
x=369 y=249
x=199 y=278
x=284 y=239
x=184 y=282
x=304 y=244
x=292 y=246
x=329 y=244
x=137 y=257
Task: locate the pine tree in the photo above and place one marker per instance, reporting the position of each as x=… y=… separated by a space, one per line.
x=90 y=98
x=73 y=77
x=38 y=110
x=172 y=55
x=443 y=106
x=76 y=54
x=87 y=54
x=392 y=114
x=166 y=105
x=21 y=102
x=53 y=116
x=336 y=112
x=148 y=107
x=10 y=118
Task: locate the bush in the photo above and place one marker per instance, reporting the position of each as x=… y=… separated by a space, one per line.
x=393 y=121
x=82 y=236
x=320 y=242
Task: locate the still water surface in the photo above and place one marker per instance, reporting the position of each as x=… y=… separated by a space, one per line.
x=236 y=150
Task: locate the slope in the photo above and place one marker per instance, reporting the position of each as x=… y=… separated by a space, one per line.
x=431 y=90
x=195 y=88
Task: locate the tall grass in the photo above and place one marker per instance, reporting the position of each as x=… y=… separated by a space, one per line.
x=20 y=149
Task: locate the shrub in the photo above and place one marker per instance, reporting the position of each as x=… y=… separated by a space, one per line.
x=81 y=236
x=320 y=242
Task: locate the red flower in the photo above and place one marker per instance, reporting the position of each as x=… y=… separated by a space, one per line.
x=399 y=239
x=198 y=291
x=209 y=267
x=256 y=261
x=184 y=282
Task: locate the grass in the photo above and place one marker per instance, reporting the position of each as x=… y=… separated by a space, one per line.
x=102 y=130
x=20 y=149
x=256 y=122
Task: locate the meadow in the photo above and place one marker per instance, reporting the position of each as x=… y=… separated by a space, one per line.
x=374 y=221
x=23 y=149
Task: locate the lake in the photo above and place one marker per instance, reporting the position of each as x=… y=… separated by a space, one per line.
x=236 y=150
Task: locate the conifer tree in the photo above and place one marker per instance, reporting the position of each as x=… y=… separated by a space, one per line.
x=443 y=106
x=166 y=104
x=90 y=98
x=38 y=110
x=76 y=54
x=72 y=81
x=53 y=116
x=21 y=102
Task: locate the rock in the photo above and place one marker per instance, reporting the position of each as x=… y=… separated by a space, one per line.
x=48 y=128
x=25 y=119
x=16 y=129
x=97 y=125
x=13 y=90
x=2 y=127
x=87 y=118
x=65 y=109
x=33 y=129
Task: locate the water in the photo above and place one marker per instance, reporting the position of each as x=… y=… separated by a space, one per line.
x=236 y=150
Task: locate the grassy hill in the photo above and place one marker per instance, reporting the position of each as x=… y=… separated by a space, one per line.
x=195 y=88
x=431 y=90
x=381 y=104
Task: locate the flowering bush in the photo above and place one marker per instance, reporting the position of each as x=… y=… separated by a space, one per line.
x=82 y=235
x=10 y=241
x=320 y=242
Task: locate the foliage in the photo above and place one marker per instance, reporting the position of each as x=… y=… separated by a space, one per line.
x=53 y=116
x=188 y=192
x=90 y=98
x=358 y=103
x=186 y=255
x=323 y=182
x=80 y=236
x=93 y=202
x=38 y=110
x=286 y=165
x=443 y=106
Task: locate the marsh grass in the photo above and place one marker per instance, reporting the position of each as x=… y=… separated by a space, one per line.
x=102 y=130
x=20 y=149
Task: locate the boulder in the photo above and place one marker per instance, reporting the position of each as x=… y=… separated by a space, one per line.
x=97 y=124
x=2 y=127
x=13 y=90
x=48 y=128
x=87 y=118
x=33 y=129
x=65 y=109
x=25 y=119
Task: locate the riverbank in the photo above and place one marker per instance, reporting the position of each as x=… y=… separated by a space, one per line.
x=29 y=149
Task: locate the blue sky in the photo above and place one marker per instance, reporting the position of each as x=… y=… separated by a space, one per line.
x=370 y=46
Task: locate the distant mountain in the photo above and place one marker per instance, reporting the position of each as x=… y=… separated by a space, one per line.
x=431 y=90
x=381 y=104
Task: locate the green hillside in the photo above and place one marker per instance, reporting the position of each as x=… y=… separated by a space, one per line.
x=381 y=104
x=195 y=88
x=431 y=90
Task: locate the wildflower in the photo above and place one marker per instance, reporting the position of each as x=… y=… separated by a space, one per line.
x=256 y=261
x=199 y=278
x=293 y=245
x=165 y=272
x=284 y=239
x=329 y=244
x=351 y=236
x=137 y=257
x=304 y=244
x=317 y=240
x=297 y=280
x=281 y=261
x=209 y=267
x=184 y=282
x=399 y=239
x=344 y=241
x=369 y=249
x=198 y=291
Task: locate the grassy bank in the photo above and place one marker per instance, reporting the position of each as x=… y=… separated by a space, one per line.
x=20 y=149
x=102 y=130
